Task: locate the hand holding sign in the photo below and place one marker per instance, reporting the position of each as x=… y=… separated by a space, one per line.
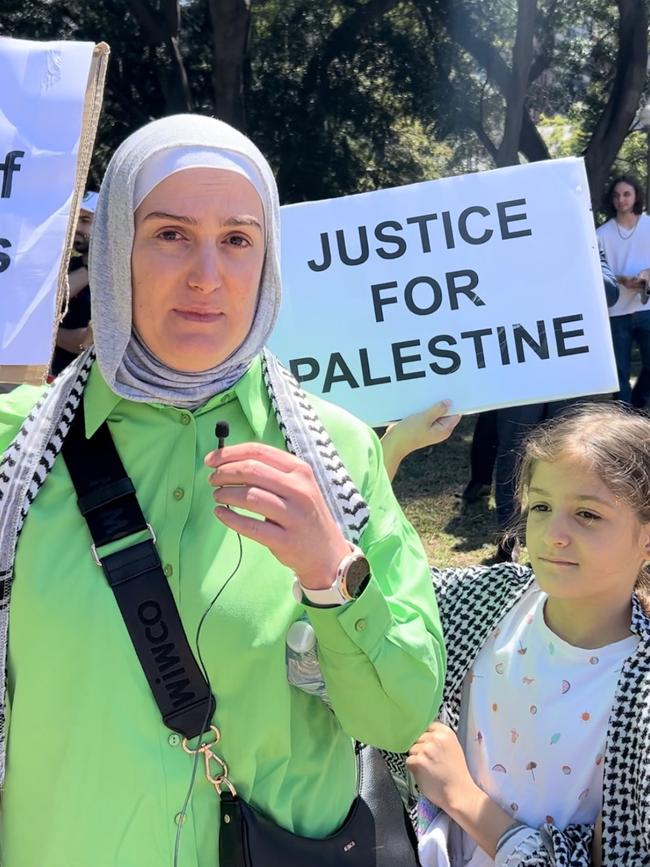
x=415 y=432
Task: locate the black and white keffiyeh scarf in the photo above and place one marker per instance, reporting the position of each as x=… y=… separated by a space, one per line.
x=31 y=455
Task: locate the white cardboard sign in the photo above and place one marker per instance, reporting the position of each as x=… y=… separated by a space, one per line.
x=484 y=288
x=41 y=112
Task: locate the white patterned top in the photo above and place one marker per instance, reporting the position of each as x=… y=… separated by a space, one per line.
x=537 y=719
x=473 y=602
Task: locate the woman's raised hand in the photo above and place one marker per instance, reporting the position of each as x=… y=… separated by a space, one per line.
x=289 y=513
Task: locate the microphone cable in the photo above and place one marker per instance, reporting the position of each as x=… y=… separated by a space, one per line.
x=221 y=431
x=183 y=813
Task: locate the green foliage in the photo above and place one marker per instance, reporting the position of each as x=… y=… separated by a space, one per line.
x=632 y=158
x=562 y=136
x=358 y=122
x=399 y=101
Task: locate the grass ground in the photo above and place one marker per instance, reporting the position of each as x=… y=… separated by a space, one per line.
x=428 y=486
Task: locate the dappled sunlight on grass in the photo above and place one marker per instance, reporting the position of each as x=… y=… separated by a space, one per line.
x=428 y=486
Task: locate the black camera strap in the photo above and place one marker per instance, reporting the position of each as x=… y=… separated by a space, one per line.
x=108 y=502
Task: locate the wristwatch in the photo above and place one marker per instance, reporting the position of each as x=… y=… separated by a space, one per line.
x=352 y=576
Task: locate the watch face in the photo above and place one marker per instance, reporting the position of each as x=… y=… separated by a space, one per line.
x=357 y=576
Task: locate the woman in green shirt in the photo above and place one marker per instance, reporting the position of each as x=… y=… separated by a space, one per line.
x=184 y=270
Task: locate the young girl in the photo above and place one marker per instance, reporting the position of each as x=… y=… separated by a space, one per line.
x=542 y=752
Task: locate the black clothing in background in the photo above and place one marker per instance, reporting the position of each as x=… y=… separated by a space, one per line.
x=78 y=316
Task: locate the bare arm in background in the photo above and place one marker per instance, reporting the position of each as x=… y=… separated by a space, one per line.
x=415 y=432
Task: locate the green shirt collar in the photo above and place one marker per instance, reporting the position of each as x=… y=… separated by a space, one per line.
x=250 y=391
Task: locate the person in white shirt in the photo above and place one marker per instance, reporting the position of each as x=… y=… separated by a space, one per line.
x=625 y=240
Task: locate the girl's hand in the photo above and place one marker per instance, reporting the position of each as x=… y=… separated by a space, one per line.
x=415 y=432
x=436 y=760
x=438 y=764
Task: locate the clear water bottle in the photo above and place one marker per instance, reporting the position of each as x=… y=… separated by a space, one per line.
x=303 y=667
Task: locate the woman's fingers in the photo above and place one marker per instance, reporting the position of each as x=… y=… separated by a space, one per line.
x=272 y=457
x=267 y=533
x=267 y=505
x=289 y=513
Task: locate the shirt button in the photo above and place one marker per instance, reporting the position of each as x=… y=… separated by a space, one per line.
x=168 y=570
x=179 y=818
x=174 y=740
x=179 y=493
x=185 y=418
x=360 y=625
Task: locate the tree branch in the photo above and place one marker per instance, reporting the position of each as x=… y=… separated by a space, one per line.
x=517 y=88
x=531 y=143
x=341 y=41
x=627 y=87
x=478 y=129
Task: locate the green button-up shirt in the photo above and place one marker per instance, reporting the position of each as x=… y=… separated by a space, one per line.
x=94 y=778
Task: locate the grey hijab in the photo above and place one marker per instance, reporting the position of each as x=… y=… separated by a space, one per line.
x=128 y=366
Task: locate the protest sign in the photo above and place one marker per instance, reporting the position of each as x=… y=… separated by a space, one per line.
x=49 y=108
x=484 y=288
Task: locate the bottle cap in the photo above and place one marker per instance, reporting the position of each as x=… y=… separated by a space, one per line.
x=301 y=637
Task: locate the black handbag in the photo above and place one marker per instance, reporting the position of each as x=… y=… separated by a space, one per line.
x=377 y=831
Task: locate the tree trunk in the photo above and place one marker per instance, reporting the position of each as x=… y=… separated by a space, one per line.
x=531 y=144
x=160 y=25
x=230 y=35
x=618 y=114
x=340 y=42
x=515 y=95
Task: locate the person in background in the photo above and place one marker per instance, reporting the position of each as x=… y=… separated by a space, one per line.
x=625 y=240
x=75 y=331
x=482 y=457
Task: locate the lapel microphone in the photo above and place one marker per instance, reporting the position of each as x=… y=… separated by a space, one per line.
x=221 y=431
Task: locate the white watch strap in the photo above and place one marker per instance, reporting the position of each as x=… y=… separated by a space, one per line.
x=329 y=596
x=332 y=595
